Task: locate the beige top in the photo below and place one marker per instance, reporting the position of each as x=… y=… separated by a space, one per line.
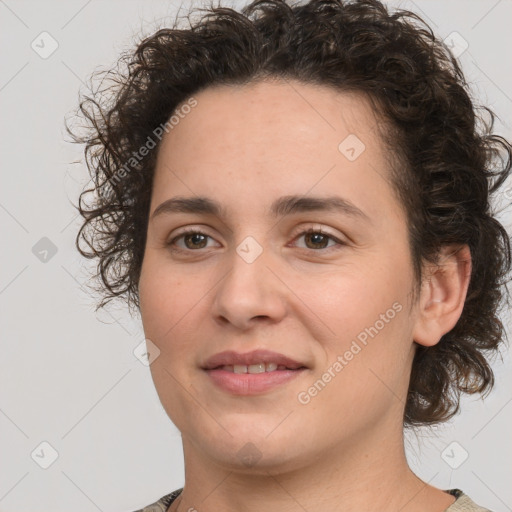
x=463 y=503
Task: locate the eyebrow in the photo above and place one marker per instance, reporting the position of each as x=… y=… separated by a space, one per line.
x=286 y=205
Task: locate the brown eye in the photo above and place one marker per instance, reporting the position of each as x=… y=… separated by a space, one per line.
x=192 y=240
x=316 y=239
x=195 y=240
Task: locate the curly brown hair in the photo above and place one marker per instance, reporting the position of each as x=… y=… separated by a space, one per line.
x=451 y=162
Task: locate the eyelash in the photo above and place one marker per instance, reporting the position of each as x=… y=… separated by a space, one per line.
x=192 y=231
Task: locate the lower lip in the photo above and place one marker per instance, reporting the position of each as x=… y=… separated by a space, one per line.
x=252 y=383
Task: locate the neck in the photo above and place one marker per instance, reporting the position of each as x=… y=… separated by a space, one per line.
x=369 y=472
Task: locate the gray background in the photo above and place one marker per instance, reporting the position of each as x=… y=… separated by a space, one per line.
x=69 y=376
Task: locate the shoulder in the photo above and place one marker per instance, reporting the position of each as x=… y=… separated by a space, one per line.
x=162 y=504
x=463 y=503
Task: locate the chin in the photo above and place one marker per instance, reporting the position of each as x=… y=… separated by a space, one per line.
x=254 y=458
x=249 y=447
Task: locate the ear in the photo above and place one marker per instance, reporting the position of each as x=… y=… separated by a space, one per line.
x=443 y=293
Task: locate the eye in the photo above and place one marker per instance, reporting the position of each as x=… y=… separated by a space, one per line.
x=316 y=239
x=192 y=238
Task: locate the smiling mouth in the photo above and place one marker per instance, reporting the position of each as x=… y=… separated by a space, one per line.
x=252 y=373
x=255 y=368
x=254 y=379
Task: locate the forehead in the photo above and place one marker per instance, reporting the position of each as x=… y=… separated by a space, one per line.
x=277 y=108
x=279 y=137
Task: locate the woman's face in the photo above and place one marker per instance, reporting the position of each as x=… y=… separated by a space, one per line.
x=336 y=302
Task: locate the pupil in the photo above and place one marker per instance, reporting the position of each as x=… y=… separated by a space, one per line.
x=194 y=238
x=317 y=237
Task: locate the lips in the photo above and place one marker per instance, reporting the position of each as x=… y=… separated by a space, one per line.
x=256 y=357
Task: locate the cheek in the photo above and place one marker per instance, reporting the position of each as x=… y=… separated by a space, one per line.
x=363 y=314
x=165 y=306
x=163 y=300
x=350 y=299
x=172 y=305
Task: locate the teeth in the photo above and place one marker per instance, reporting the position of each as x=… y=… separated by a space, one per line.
x=256 y=368
x=253 y=368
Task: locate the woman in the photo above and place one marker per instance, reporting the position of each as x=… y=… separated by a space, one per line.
x=296 y=199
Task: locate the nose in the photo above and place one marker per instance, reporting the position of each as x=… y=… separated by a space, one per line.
x=249 y=293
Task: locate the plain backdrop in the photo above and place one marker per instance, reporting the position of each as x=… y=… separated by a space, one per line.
x=73 y=396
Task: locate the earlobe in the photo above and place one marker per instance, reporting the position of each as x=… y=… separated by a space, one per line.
x=443 y=294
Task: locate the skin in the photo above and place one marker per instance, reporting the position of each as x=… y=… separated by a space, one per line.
x=245 y=146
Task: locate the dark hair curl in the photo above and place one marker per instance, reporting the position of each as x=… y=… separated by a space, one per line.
x=451 y=161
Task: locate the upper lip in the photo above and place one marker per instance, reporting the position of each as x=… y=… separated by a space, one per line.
x=230 y=357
